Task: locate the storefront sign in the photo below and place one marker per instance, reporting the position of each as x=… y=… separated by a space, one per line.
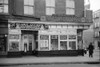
x=64 y=18
x=32 y=26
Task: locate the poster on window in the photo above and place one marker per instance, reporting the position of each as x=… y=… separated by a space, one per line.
x=44 y=45
x=14 y=46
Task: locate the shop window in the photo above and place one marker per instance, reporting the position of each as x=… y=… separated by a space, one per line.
x=63 y=37
x=2 y=43
x=44 y=42
x=13 y=36
x=14 y=46
x=54 y=42
x=72 y=45
x=72 y=36
x=63 y=45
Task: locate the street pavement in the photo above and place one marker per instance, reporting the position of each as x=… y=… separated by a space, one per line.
x=57 y=65
x=32 y=60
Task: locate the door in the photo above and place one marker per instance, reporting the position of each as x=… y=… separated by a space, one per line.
x=28 y=42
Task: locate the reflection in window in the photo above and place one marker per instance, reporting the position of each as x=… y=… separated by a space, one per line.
x=72 y=45
x=63 y=45
x=50 y=7
x=3 y=6
x=70 y=7
x=54 y=42
x=29 y=7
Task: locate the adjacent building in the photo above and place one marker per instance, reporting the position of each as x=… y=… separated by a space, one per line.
x=43 y=27
x=96 y=22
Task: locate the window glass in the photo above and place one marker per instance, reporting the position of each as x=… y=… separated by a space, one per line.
x=63 y=45
x=5 y=8
x=44 y=37
x=72 y=36
x=30 y=10
x=50 y=7
x=31 y=2
x=29 y=7
x=2 y=43
x=70 y=3
x=50 y=11
x=13 y=36
x=6 y=1
x=72 y=45
x=14 y=46
x=54 y=42
x=1 y=1
x=1 y=9
x=25 y=9
x=63 y=37
x=70 y=7
x=70 y=11
x=25 y=2
x=44 y=42
x=50 y=3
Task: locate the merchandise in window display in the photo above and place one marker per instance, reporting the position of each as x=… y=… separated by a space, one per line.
x=54 y=42
x=14 y=46
x=63 y=37
x=44 y=42
x=63 y=45
x=72 y=45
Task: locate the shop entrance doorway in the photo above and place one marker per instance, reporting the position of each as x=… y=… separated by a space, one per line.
x=28 y=42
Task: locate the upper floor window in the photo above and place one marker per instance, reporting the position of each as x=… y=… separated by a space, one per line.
x=3 y=6
x=50 y=7
x=29 y=7
x=70 y=7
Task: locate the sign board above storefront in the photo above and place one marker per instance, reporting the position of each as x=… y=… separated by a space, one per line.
x=31 y=26
x=65 y=18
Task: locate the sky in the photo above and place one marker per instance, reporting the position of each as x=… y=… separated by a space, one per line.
x=95 y=5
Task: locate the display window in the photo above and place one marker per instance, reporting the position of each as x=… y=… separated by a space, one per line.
x=13 y=36
x=2 y=43
x=44 y=42
x=63 y=45
x=63 y=37
x=72 y=36
x=54 y=42
x=14 y=46
x=72 y=45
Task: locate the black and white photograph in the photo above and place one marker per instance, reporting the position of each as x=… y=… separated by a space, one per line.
x=49 y=33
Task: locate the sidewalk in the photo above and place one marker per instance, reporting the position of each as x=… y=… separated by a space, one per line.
x=50 y=60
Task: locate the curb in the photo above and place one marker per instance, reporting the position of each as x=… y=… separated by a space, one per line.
x=16 y=64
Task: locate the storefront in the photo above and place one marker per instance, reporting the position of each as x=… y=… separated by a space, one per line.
x=43 y=39
x=3 y=37
x=57 y=39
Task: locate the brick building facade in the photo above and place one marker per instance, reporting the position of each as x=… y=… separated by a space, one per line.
x=44 y=27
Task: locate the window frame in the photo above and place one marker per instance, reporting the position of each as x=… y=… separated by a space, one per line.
x=2 y=5
x=70 y=7
x=50 y=9
x=29 y=5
